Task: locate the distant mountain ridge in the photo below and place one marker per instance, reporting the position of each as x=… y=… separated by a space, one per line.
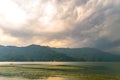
x=45 y=53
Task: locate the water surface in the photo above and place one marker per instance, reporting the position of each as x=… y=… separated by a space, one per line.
x=59 y=70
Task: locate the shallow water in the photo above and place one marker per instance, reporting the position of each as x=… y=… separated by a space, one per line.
x=19 y=78
x=65 y=63
x=15 y=78
x=57 y=78
x=100 y=67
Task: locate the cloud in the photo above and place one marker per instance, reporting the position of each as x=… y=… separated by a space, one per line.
x=106 y=44
x=64 y=23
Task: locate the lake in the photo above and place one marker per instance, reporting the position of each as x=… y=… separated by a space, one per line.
x=59 y=70
x=64 y=63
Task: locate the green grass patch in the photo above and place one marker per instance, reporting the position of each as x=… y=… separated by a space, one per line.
x=71 y=72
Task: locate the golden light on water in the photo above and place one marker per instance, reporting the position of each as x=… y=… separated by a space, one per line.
x=56 y=78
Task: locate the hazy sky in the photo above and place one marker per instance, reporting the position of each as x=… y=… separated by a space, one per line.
x=61 y=23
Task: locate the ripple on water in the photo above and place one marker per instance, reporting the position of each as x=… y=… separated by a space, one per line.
x=57 y=78
x=19 y=78
x=14 y=78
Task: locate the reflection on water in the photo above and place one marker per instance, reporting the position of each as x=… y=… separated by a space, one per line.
x=18 y=78
x=65 y=63
x=8 y=78
x=11 y=71
x=56 y=78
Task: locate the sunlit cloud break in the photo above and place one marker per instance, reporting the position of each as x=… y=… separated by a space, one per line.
x=60 y=23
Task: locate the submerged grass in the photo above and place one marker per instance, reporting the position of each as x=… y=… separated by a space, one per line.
x=71 y=72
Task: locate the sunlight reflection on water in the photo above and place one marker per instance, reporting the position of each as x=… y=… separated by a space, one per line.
x=64 y=63
x=56 y=78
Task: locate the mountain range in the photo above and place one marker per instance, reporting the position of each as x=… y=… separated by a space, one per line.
x=45 y=53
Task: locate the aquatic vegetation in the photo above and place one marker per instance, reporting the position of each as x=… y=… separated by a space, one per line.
x=60 y=72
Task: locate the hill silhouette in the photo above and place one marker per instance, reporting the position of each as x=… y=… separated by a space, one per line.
x=45 y=53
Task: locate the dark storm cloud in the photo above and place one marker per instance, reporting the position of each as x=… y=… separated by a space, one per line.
x=97 y=26
x=106 y=44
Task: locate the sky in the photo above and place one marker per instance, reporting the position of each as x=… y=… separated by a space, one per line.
x=61 y=23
